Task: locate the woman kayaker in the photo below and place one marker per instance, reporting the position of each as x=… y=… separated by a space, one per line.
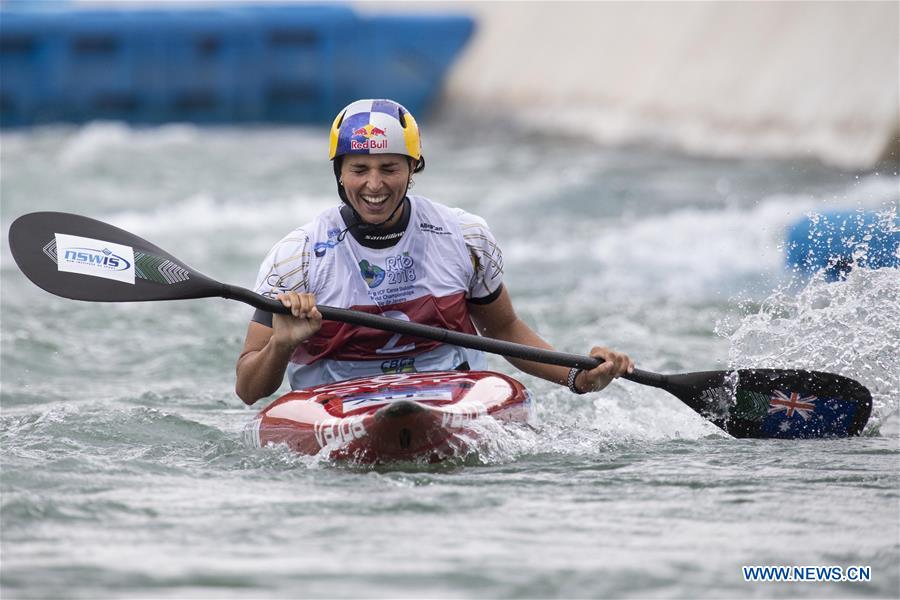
x=386 y=252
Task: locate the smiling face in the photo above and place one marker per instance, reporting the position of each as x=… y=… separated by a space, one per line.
x=375 y=184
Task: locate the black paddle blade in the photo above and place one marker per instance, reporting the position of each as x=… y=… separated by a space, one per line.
x=85 y=259
x=776 y=403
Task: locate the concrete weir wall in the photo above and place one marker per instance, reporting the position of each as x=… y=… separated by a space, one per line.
x=716 y=78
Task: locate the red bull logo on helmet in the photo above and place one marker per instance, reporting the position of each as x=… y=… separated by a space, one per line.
x=371 y=135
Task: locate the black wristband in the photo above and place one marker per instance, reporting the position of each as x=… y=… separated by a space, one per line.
x=570 y=381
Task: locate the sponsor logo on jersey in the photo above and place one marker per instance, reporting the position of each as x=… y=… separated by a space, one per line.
x=320 y=248
x=399 y=365
x=372 y=274
x=384 y=237
x=435 y=229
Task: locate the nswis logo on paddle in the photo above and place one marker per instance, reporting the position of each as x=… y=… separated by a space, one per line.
x=97 y=258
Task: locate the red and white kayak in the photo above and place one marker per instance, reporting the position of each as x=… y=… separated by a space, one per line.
x=415 y=416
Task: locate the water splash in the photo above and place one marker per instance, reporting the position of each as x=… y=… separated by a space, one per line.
x=849 y=327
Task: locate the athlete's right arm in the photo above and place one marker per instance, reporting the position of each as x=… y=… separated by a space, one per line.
x=267 y=350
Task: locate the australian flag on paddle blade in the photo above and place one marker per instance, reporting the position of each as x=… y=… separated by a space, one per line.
x=794 y=414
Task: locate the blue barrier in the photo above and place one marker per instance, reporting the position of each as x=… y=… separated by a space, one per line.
x=839 y=241
x=106 y=67
x=301 y=60
x=406 y=56
x=234 y=63
x=29 y=45
x=204 y=67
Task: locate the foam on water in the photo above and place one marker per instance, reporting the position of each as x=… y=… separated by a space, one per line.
x=694 y=252
x=94 y=141
x=203 y=214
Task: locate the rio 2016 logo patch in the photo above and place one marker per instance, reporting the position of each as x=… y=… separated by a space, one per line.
x=373 y=274
x=398 y=269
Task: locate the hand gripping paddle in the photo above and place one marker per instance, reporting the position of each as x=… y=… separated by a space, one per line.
x=84 y=259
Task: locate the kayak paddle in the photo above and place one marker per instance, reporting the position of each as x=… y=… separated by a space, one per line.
x=84 y=259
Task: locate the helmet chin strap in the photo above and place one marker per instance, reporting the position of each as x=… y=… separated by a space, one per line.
x=363 y=225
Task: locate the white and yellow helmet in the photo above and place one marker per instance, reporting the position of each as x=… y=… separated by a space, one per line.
x=375 y=127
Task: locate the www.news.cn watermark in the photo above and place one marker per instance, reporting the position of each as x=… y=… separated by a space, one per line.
x=806 y=573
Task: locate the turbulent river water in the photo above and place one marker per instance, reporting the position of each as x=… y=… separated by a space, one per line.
x=124 y=473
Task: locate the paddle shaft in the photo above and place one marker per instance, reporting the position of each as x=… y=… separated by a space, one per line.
x=456 y=338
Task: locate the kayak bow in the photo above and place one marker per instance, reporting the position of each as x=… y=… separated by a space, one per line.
x=417 y=416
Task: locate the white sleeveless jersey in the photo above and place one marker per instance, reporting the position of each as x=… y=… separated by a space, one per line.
x=445 y=258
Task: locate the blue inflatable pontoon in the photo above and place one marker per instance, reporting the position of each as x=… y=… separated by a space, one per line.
x=841 y=240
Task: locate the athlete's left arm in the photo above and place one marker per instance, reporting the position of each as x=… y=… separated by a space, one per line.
x=499 y=320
